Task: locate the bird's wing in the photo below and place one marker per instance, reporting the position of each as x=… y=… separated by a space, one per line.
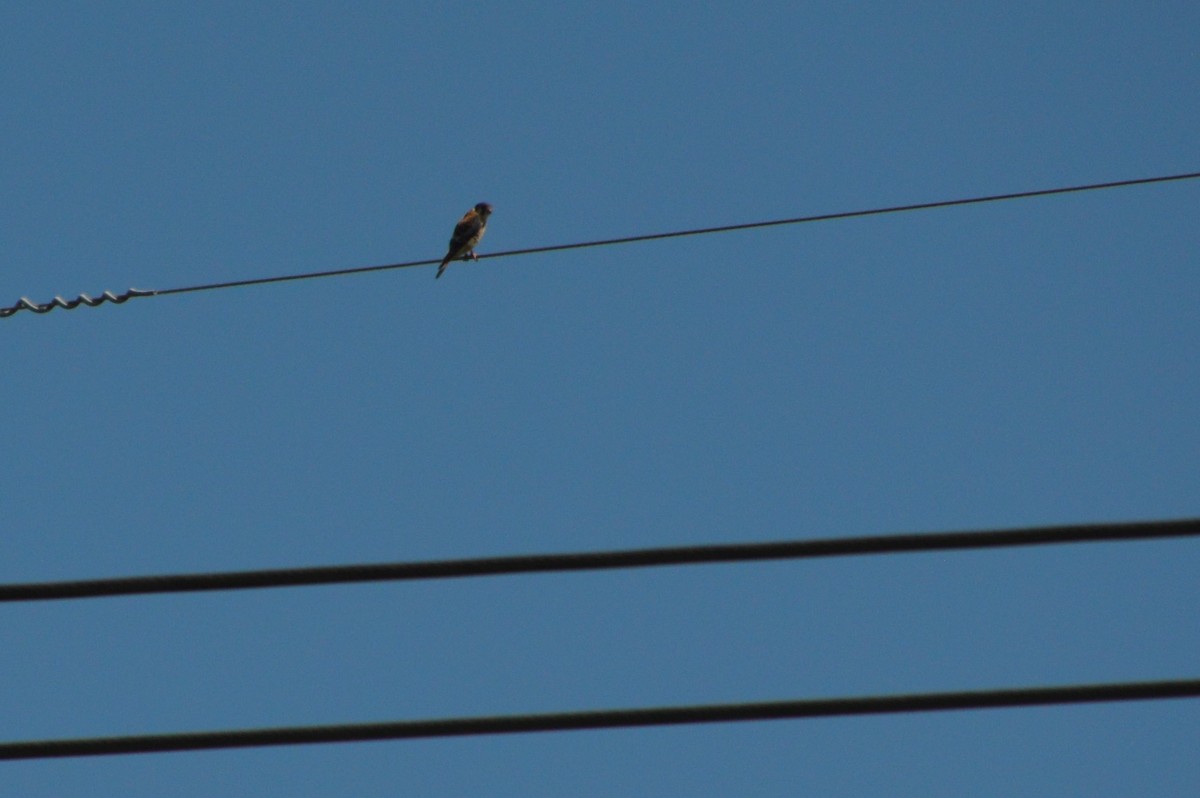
x=465 y=230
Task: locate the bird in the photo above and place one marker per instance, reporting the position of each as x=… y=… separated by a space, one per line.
x=466 y=236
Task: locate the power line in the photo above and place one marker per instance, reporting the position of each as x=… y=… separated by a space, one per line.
x=601 y=560
x=603 y=719
x=25 y=303
x=28 y=304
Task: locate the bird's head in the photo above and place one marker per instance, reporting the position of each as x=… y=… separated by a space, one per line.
x=483 y=209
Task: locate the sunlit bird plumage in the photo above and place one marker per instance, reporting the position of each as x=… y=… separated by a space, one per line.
x=467 y=233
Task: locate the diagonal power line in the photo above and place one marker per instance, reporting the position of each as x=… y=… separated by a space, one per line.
x=58 y=302
x=603 y=719
x=601 y=560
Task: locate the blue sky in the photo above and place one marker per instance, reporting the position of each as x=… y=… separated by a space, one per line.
x=1014 y=364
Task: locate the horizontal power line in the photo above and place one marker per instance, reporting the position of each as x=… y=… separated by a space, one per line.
x=27 y=304
x=602 y=719
x=601 y=560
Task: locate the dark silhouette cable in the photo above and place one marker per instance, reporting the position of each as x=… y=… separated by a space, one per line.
x=27 y=304
x=603 y=719
x=590 y=561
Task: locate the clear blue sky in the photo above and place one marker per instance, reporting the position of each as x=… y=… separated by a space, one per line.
x=1025 y=363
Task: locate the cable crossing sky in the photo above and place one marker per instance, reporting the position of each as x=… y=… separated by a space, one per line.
x=602 y=560
x=604 y=719
x=133 y=293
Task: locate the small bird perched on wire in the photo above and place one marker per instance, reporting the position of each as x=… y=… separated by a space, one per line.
x=466 y=236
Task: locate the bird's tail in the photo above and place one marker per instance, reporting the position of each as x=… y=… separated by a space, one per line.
x=441 y=268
